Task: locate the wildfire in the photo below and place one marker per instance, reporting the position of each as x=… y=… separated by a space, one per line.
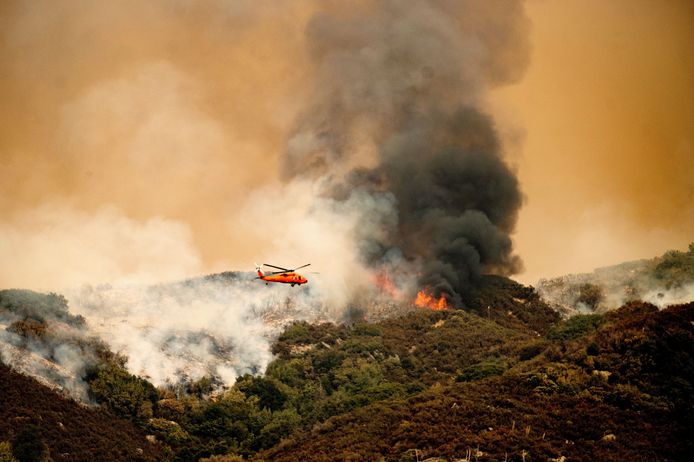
x=426 y=300
x=385 y=283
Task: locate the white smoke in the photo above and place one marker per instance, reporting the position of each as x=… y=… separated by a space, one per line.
x=299 y=226
x=151 y=139
x=117 y=273
x=55 y=246
x=673 y=296
x=219 y=327
x=55 y=360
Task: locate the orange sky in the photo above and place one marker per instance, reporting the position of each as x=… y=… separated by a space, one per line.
x=177 y=112
x=605 y=121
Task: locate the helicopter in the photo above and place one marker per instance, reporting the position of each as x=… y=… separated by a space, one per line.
x=284 y=276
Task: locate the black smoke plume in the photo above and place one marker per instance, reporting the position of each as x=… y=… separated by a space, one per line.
x=396 y=113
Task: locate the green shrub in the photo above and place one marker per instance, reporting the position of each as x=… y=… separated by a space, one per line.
x=282 y=424
x=30 y=304
x=265 y=389
x=327 y=360
x=590 y=295
x=296 y=333
x=675 y=268
x=293 y=372
x=201 y=387
x=362 y=347
x=366 y=329
x=530 y=350
x=170 y=408
x=575 y=327
x=124 y=394
x=167 y=430
x=483 y=369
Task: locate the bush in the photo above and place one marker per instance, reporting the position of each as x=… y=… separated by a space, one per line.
x=282 y=424
x=170 y=408
x=327 y=360
x=6 y=452
x=590 y=295
x=28 y=446
x=30 y=304
x=167 y=430
x=223 y=458
x=675 y=268
x=265 y=389
x=121 y=392
x=530 y=350
x=201 y=387
x=575 y=327
x=481 y=370
x=593 y=349
x=365 y=329
x=29 y=328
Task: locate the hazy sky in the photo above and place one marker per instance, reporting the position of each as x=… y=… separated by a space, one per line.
x=605 y=126
x=132 y=134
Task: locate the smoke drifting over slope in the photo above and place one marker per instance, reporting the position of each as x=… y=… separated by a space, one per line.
x=219 y=326
x=150 y=143
x=394 y=113
x=380 y=101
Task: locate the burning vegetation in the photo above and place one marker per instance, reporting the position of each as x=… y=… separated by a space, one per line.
x=425 y=300
x=435 y=196
x=381 y=390
x=392 y=133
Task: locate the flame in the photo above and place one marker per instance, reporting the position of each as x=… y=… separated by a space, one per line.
x=385 y=283
x=426 y=300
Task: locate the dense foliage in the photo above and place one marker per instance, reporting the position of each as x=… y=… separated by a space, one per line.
x=35 y=422
x=617 y=388
x=504 y=379
x=675 y=268
x=27 y=304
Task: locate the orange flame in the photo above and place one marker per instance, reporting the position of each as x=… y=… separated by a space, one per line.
x=385 y=283
x=426 y=300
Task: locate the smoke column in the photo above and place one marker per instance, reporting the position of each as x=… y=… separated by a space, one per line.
x=395 y=115
x=375 y=108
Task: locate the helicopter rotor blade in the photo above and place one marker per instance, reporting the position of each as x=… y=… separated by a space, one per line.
x=277 y=267
x=307 y=264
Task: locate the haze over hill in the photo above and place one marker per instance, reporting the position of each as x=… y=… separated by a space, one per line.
x=146 y=145
x=504 y=377
x=203 y=101
x=664 y=280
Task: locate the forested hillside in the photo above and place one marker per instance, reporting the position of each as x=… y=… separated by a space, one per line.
x=38 y=424
x=614 y=387
x=503 y=379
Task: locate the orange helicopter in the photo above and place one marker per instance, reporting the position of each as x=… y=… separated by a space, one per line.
x=284 y=276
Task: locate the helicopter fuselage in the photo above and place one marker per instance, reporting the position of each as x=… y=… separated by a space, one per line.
x=284 y=278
